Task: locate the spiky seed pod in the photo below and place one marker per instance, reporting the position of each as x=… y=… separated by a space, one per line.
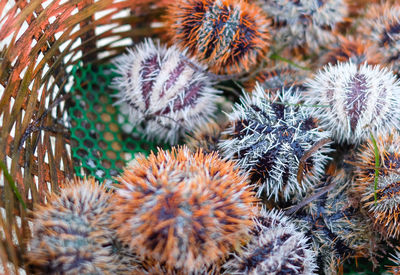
x=268 y=135
x=305 y=23
x=386 y=210
x=354 y=51
x=389 y=158
x=336 y=226
x=277 y=247
x=160 y=88
x=359 y=100
x=184 y=210
x=71 y=232
x=381 y=25
x=206 y=138
x=274 y=79
x=230 y=36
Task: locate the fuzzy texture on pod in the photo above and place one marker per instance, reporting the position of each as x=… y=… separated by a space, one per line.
x=352 y=50
x=183 y=210
x=206 y=137
x=386 y=211
x=305 y=23
x=72 y=234
x=230 y=36
x=336 y=226
x=277 y=247
x=268 y=135
x=160 y=88
x=381 y=25
x=359 y=100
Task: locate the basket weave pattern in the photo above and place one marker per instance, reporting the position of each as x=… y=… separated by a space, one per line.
x=40 y=41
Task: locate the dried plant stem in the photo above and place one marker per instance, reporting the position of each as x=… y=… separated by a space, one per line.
x=309 y=199
x=276 y=56
x=377 y=165
x=308 y=154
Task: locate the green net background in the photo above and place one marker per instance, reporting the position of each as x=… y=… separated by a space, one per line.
x=100 y=148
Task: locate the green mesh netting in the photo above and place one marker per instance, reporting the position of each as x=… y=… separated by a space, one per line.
x=100 y=148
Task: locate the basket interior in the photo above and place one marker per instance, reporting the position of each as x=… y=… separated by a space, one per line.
x=100 y=147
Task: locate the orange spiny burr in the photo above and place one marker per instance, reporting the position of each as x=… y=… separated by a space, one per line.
x=385 y=210
x=184 y=210
x=229 y=36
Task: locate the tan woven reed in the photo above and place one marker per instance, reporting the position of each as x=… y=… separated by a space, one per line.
x=35 y=58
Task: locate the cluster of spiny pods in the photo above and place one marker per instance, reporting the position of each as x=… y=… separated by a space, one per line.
x=300 y=175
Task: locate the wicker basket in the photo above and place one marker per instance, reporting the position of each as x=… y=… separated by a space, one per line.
x=40 y=41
